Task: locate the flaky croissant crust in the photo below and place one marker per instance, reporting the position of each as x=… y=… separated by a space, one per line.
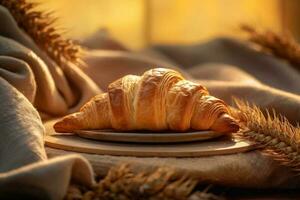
x=161 y=99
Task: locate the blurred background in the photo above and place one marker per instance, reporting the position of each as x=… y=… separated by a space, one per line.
x=139 y=23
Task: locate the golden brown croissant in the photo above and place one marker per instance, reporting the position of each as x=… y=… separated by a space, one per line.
x=160 y=99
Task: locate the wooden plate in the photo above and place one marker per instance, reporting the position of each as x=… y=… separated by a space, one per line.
x=218 y=146
x=146 y=137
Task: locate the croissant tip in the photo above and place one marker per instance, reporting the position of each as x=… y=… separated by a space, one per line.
x=234 y=127
x=226 y=124
x=60 y=127
x=66 y=125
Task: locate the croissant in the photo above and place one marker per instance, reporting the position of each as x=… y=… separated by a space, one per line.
x=160 y=99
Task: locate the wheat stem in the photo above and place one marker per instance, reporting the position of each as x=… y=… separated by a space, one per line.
x=122 y=183
x=40 y=27
x=278 y=138
x=282 y=46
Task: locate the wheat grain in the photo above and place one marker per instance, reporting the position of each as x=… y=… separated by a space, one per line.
x=282 y=46
x=122 y=183
x=278 y=138
x=40 y=27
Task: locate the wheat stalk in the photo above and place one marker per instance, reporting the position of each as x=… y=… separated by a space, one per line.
x=40 y=27
x=278 y=138
x=122 y=183
x=282 y=46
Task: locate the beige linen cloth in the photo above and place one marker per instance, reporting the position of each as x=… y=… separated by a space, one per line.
x=32 y=87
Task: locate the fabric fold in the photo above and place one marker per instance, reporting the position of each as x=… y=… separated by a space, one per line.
x=46 y=180
x=25 y=171
x=31 y=86
x=18 y=73
x=55 y=94
x=21 y=132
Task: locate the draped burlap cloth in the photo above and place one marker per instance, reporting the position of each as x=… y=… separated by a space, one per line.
x=33 y=87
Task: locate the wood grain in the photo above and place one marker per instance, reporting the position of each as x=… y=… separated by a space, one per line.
x=218 y=146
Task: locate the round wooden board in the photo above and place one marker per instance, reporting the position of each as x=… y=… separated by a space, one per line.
x=146 y=137
x=218 y=146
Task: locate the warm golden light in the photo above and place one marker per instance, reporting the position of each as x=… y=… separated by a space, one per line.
x=138 y=23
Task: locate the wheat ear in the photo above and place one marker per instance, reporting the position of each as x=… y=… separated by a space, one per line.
x=122 y=183
x=281 y=46
x=40 y=27
x=278 y=138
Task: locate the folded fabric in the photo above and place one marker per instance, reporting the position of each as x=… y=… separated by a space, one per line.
x=25 y=171
x=58 y=86
x=46 y=180
x=29 y=80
